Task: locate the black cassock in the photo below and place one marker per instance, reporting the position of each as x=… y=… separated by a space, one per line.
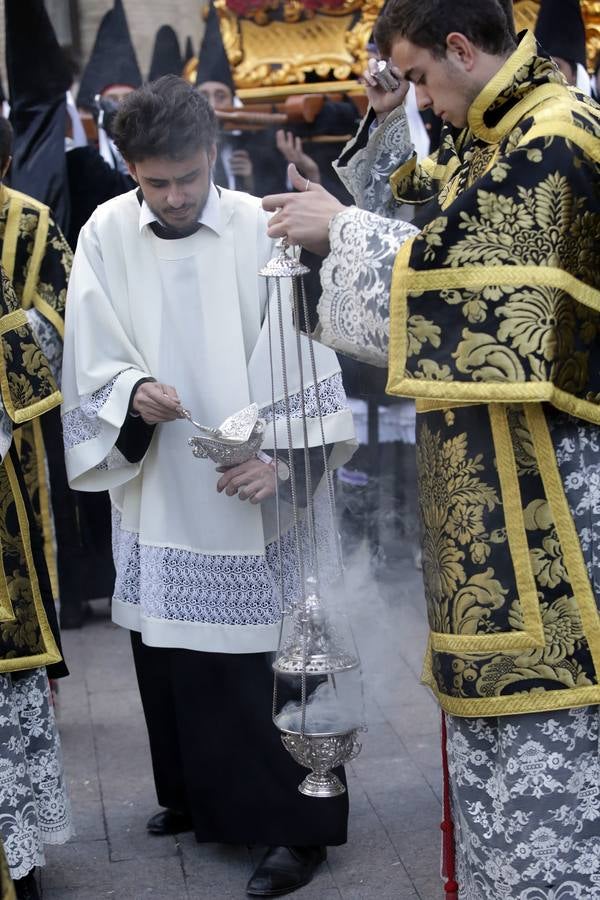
x=217 y=755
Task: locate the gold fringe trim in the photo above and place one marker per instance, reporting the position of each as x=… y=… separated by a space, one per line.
x=567 y=533
x=35 y=260
x=477 y=277
x=398 y=314
x=512 y=503
x=7 y=612
x=587 y=142
x=45 y=510
x=50 y=314
x=511 y=704
x=464 y=393
x=425 y=406
x=37 y=408
x=13 y=320
x=51 y=654
x=11 y=234
x=483 y=643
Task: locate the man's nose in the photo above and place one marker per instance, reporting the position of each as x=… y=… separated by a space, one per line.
x=175 y=197
x=424 y=101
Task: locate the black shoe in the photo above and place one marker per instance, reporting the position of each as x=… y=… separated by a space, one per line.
x=26 y=888
x=169 y=821
x=284 y=869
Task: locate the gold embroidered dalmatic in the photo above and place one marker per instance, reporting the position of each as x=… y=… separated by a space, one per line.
x=27 y=389
x=495 y=325
x=37 y=259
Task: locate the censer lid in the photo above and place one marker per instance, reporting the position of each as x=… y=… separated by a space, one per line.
x=313 y=647
x=283 y=265
x=294 y=662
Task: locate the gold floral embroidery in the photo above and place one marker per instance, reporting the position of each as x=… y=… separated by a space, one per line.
x=519 y=197
x=453 y=499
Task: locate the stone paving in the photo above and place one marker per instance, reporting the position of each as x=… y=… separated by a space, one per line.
x=395 y=789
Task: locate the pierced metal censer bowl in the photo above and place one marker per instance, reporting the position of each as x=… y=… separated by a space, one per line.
x=234 y=442
x=321 y=753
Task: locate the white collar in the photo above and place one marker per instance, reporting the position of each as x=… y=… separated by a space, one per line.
x=210 y=215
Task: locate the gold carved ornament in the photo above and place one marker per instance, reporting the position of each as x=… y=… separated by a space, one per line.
x=274 y=46
x=280 y=47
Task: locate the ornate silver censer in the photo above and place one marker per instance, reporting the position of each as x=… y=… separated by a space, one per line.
x=319 y=730
x=235 y=441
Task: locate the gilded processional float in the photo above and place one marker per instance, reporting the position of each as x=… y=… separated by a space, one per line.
x=281 y=48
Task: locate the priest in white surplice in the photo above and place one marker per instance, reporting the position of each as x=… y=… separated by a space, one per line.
x=166 y=310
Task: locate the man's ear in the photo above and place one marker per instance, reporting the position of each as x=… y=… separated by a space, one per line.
x=461 y=50
x=132 y=171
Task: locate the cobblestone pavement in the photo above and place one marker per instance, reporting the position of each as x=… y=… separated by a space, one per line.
x=393 y=848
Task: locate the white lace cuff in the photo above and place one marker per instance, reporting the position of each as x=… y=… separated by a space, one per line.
x=91 y=430
x=366 y=173
x=356 y=279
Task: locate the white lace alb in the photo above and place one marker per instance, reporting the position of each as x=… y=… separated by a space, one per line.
x=34 y=807
x=175 y=584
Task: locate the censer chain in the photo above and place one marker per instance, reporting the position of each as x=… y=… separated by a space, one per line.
x=277 y=504
x=327 y=467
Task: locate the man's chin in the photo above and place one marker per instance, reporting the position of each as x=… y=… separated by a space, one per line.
x=458 y=122
x=179 y=223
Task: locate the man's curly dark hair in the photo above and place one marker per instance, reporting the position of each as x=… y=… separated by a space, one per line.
x=167 y=117
x=426 y=23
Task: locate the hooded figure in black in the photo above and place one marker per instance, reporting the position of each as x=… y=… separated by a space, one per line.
x=246 y=161
x=213 y=63
x=38 y=78
x=113 y=61
x=560 y=32
x=112 y=70
x=166 y=56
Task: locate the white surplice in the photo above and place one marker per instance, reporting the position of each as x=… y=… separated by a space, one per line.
x=195 y=568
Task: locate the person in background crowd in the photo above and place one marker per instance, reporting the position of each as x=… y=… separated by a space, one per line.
x=98 y=173
x=246 y=161
x=560 y=32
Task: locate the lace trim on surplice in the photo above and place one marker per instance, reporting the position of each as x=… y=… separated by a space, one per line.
x=82 y=424
x=180 y=585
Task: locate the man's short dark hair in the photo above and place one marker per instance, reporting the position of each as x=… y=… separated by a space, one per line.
x=167 y=117
x=427 y=23
x=6 y=141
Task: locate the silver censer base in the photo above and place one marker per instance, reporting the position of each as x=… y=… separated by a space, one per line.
x=321 y=754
